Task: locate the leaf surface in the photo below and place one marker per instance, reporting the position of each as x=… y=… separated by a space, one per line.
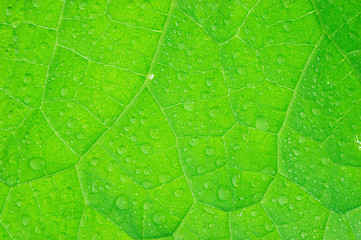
x=178 y=119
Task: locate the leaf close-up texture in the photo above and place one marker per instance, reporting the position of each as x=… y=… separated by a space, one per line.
x=180 y=119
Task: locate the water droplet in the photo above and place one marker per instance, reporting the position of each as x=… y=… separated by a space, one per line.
x=208 y=184
x=283 y=200
x=154 y=133
x=83 y=5
x=158 y=219
x=287 y=26
x=303 y=235
x=303 y=115
x=147 y=184
x=70 y=123
x=188 y=106
x=164 y=178
x=262 y=124
x=26 y=220
x=19 y=203
x=178 y=192
x=297 y=152
x=27 y=100
x=64 y=91
x=37 y=163
x=147 y=5
x=214 y=112
x=315 y=111
x=121 y=203
x=281 y=60
x=254 y=213
x=121 y=150
x=209 y=151
x=28 y=78
x=9 y=11
x=299 y=197
x=353 y=35
x=236 y=180
x=268 y=226
x=35 y=3
x=94 y=161
x=224 y=193
x=188 y=160
x=146 y=148
x=201 y=169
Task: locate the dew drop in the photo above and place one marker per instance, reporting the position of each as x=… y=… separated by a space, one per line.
x=27 y=100
x=28 y=78
x=158 y=219
x=178 y=192
x=208 y=185
x=268 y=226
x=224 y=193
x=262 y=124
x=299 y=197
x=121 y=203
x=236 y=180
x=64 y=91
x=70 y=123
x=35 y=3
x=283 y=200
x=19 y=203
x=281 y=60
x=201 y=169
x=209 y=151
x=214 y=112
x=94 y=161
x=121 y=150
x=9 y=11
x=154 y=133
x=26 y=220
x=146 y=148
x=37 y=163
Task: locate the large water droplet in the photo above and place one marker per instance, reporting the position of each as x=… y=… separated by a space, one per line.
x=121 y=203
x=37 y=163
x=146 y=148
x=158 y=219
x=262 y=124
x=224 y=193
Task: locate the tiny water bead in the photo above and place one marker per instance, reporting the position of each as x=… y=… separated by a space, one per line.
x=94 y=161
x=150 y=76
x=64 y=91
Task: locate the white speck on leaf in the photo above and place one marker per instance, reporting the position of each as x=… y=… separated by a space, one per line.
x=359 y=142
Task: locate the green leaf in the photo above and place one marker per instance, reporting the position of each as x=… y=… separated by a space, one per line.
x=180 y=119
